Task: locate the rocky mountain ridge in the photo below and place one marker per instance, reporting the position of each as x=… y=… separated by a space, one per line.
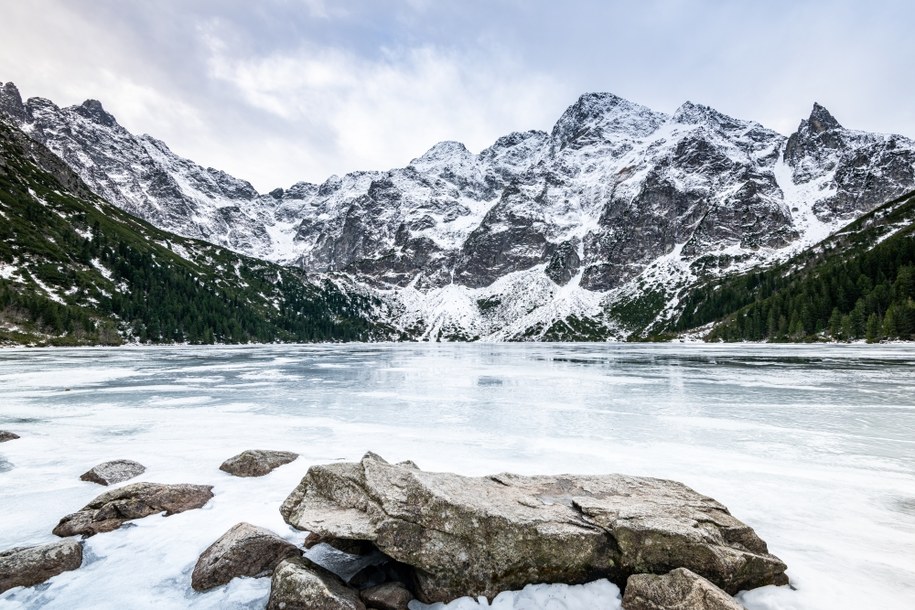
x=538 y=236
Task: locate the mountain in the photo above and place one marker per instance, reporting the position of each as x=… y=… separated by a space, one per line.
x=583 y=232
x=76 y=270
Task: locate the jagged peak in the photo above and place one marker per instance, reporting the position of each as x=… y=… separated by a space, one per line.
x=691 y=113
x=11 y=101
x=821 y=119
x=443 y=151
x=93 y=110
x=609 y=113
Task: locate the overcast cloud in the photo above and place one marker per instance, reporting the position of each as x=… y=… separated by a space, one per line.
x=277 y=91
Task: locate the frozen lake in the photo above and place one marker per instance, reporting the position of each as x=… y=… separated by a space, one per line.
x=813 y=446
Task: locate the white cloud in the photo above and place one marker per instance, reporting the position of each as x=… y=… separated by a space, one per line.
x=379 y=112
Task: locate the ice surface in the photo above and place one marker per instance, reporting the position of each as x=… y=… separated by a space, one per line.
x=813 y=446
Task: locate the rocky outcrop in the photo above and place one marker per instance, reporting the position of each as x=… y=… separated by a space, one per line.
x=298 y=584
x=7 y=436
x=482 y=535
x=256 y=462
x=680 y=589
x=245 y=550
x=135 y=501
x=115 y=471
x=28 y=566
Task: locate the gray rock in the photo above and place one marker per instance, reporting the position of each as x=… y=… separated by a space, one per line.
x=135 y=501
x=245 y=550
x=28 y=566
x=256 y=462
x=115 y=471
x=482 y=535
x=680 y=589
x=7 y=436
x=298 y=584
x=389 y=596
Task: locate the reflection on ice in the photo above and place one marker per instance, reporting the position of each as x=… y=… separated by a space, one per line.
x=811 y=445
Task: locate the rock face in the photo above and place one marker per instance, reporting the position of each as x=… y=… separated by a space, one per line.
x=245 y=550
x=135 y=501
x=482 y=535
x=7 y=436
x=680 y=589
x=115 y=471
x=298 y=584
x=27 y=566
x=256 y=462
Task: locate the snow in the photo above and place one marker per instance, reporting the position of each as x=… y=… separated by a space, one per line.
x=9 y=272
x=809 y=445
x=52 y=294
x=801 y=200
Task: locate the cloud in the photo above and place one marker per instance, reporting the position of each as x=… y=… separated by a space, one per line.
x=375 y=113
x=283 y=90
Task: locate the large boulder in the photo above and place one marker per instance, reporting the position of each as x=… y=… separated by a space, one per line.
x=482 y=535
x=135 y=501
x=113 y=472
x=298 y=584
x=6 y=435
x=245 y=550
x=679 y=589
x=256 y=462
x=28 y=566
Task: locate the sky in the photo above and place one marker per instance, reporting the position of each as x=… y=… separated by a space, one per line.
x=280 y=91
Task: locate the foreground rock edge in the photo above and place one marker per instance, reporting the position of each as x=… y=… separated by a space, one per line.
x=30 y=566
x=299 y=584
x=483 y=535
x=244 y=550
x=112 y=509
x=679 y=589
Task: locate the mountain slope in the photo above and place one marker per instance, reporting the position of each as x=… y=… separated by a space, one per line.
x=857 y=284
x=76 y=270
x=589 y=231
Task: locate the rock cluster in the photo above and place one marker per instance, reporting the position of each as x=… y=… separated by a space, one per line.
x=383 y=534
x=5 y=435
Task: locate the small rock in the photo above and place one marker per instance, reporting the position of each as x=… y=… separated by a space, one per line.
x=389 y=596
x=135 y=501
x=28 y=566
x=116 y=471
x=256 y=462
x=679 y=589
x=7 y=436
x=298 y=584
x=245 y=550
